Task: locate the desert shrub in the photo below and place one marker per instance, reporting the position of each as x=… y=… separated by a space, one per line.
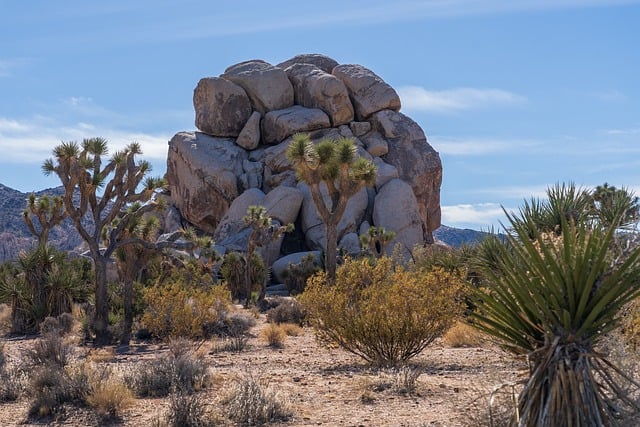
x=176 y=310
x=5 y=318
x=187 y=411
x=231 y=324
x=50 y=349
x=53 y=386
x=274 y=335
x=252 y=401
x=109 y=396
x=383 y=314
x=181 y=369
x=60 y=325
x=234 y=274
x=151 y=379
x=462 y=334
x=233 y=330
x=405 y=379
x=296 y=275
x=42 y=283
x=287 y=310
x=235 y=344
x=11 y=380
x=3 y=357
x=630 y=325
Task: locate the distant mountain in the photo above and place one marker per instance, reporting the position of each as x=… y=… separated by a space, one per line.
x=14 y=234
x=456 y=237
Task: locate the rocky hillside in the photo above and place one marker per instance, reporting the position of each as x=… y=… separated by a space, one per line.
x=14 y=234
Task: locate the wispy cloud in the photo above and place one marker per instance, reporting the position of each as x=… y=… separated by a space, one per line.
x=623 y=132
x=7 y=66
x=612 y=95
x=417 y=98
x=476 y=216
x=31 y=139
x=472 y=146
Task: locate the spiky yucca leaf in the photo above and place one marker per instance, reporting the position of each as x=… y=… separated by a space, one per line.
x=553 y=297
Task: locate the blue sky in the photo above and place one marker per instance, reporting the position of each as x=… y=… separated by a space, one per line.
x=514 y=95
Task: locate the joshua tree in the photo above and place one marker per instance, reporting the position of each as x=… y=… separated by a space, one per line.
x=335 y=165
x=552 y=294
x=131 y=260
x=49 y=212
x=375 y=240
x=263 y=231
x=102 y=190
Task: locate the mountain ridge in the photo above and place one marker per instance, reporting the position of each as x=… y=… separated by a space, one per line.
x=16 y=237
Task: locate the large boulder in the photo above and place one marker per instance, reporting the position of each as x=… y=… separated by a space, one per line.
x=394 y=198
x=280 y=124
x=368 y=92
x=222 y=107
x=314 y=228
x=314 y=88
x=267 y=86
x=283 y=204
x=249 y=137
x=283 y=263
x=202 y=176
x=417 y=163
x=323 y=62
x=232 y=222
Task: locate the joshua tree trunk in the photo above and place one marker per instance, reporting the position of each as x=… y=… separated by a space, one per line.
x=101 y=319
x=127 y=323
x=332 y=251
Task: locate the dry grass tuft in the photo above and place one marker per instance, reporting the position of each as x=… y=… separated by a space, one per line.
x=292 y=330
x=5 y=319
x=252 y=401
x=110 y=397
x=274 y=335
x=102 y=355
x=464 y=335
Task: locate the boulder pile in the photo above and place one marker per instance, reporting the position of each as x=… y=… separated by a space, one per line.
x=246 y=118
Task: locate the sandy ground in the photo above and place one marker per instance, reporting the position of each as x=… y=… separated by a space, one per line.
x=324 y=386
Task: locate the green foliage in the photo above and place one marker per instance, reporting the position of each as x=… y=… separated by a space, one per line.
x=43 y=283
x=287 y=310
x=42 y=214
x=383 y=314
x=296 y=275
x=179 y=310
x=552 y=294
x=375 y=240
x=233 y=271
x=334 y=163
x=110 y=193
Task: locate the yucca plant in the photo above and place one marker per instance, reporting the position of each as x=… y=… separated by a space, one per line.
x=552 y=297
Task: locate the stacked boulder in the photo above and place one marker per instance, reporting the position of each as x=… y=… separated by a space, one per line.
x=246 y=119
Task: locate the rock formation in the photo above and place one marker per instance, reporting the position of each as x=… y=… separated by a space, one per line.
x=246 y=118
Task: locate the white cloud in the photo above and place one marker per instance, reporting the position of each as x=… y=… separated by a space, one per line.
x=476 y=216
x=472 y=146
x=417 y=98
x=623 y=132
x=32 y=141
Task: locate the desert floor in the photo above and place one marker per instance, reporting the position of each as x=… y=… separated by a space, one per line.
x=323 y=386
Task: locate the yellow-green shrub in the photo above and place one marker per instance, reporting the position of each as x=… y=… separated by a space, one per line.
x=176 y=310
x=383 y=313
